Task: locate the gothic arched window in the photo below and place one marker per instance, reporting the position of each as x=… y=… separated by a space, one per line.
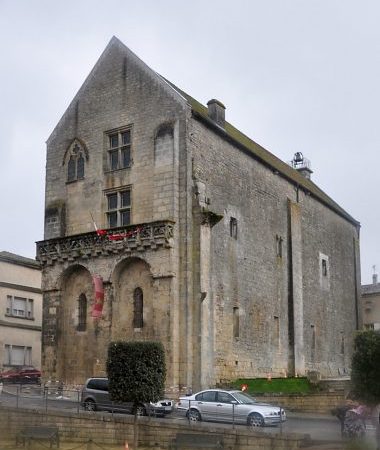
x=138 y=306
x=82 y=313
x=76 y=159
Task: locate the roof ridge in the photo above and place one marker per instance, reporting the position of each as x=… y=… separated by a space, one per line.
x=264 y=155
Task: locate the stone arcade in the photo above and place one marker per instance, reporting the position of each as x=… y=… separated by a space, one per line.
x=237 y=262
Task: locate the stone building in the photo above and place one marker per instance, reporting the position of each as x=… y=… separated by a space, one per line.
x=370 y=304
x=21 y=311
x=193 y=235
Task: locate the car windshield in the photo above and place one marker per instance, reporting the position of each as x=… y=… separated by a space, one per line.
x=246 y=399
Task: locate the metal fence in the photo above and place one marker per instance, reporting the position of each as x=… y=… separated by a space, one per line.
x=55 y=397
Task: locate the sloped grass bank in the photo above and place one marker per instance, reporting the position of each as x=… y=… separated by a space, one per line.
x=299 y=385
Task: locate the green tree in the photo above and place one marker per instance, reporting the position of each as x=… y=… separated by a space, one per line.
x=366 y=367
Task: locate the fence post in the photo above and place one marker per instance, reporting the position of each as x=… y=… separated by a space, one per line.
x=78 y=401
x=46 y=399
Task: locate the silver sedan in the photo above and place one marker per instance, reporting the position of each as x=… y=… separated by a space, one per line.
x=230 y=406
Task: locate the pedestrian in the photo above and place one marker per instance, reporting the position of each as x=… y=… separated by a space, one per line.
x=354 y=422
x=375 y=415
x=340 y=411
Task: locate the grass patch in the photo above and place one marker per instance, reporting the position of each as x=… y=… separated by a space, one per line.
x=298 y=385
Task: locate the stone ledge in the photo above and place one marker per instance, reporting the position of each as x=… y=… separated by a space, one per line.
x=140 y=238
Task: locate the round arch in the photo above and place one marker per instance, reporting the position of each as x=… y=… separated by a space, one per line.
x=133 y=306
x=75 y=328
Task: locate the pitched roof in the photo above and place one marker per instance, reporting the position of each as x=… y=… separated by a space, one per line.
x=19 y=260
x=229 y=132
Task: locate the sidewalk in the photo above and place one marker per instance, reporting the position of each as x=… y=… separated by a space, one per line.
x=36 y=391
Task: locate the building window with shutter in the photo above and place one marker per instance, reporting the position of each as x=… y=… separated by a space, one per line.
x=22 y=308
x=138 y=308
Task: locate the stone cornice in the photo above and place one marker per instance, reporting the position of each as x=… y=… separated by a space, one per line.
x=20 y=287
x=134 y=238
x=4 y=323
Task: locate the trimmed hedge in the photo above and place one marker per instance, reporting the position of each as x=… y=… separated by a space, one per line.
x=365 y=374
x=136 y=371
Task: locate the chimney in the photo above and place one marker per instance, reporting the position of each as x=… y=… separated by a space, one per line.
x=216 y=111
x=374 y=278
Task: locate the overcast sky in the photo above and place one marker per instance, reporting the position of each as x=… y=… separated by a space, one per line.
x=295 y=75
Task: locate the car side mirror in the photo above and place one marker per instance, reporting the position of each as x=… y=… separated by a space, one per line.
x=234 y=402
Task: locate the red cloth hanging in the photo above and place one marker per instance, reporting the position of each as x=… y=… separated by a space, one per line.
x=97 y=308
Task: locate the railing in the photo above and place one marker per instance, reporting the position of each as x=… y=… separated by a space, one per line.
x=102 y=242
x=302 y=163
x=55 y=397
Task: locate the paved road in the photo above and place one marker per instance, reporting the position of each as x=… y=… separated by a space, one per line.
x=319 y=427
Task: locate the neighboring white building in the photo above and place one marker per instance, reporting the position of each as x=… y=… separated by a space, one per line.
x=371 y=304
x=20 y=311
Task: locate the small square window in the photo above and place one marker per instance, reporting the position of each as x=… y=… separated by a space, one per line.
x=125 y=197
x=114 y=159
x=112 y=201
x=125 y=217
x=114 y=140
x=126 y=137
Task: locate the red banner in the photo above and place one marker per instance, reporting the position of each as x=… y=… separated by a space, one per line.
x=97 y=308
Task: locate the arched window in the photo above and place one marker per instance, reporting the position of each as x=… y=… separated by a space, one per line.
x=75 y=165
x=71 y=169
x=82 y=313
x=80 y=166
x=138 y=307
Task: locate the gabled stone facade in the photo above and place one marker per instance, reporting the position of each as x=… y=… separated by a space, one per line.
x=208 y=243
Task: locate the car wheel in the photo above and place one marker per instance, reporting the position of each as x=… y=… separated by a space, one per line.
x=255 y=420
x=194 y=415
x=89 y=405
x=140 y=410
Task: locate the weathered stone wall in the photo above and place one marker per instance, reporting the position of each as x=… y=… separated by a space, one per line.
x=321 y=403
x=278 y=297
x=155 y=433
x=121 y=91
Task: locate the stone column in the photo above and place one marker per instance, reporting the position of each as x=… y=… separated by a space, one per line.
x=297 y=287
x=206 y=311
x=51 y=306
